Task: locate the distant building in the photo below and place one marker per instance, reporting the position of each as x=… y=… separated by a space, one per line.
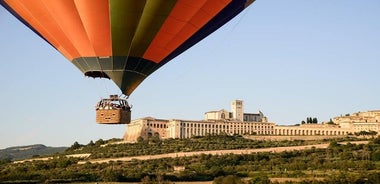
x=237 y=122
x=360 y=121
x=236 y=114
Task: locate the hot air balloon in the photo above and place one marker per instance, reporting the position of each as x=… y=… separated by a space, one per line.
x=123 y=40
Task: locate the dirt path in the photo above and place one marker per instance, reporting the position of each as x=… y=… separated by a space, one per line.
x=84 y=155
x=216 y=152
x=213 y=152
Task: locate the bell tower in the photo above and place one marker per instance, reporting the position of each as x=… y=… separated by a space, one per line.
x=237 y=110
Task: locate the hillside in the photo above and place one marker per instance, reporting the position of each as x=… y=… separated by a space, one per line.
x=24 y=152
x=209 y=158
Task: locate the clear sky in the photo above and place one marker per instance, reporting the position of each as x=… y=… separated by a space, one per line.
x=290 y=59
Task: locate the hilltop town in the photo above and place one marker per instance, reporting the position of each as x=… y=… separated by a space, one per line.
x=238 y=122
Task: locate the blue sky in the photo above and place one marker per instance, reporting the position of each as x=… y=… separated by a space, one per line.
x=290 y=59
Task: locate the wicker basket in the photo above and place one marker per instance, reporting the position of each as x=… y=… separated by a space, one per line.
x=113 y=116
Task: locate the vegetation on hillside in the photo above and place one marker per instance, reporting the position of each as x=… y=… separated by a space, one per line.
x=154 y=146
x=339 y=163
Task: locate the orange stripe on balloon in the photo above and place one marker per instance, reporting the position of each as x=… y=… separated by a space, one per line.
x=96 y=21
x=34 y=12
x=66 y=15
x=186 y=18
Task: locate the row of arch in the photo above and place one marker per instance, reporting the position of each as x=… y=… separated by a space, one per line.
x=298 y=131
x=228 y=125
x=189 y=129
x=157 y=124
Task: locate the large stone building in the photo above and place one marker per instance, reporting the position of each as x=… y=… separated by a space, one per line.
x=237 y=122
x=216 y=122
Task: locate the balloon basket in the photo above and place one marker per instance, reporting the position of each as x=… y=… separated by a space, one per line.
x=113 y=110
x=113 y=116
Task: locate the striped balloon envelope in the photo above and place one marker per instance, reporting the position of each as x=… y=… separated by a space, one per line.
x=123 y=40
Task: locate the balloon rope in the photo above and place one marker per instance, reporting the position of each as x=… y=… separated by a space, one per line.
x=234 y=26
x=129 y=52
x=228 y=33
x=101 y=71
x=134 y=36
x=244 y=13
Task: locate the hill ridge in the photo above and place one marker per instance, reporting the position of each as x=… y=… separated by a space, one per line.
x=28 y=151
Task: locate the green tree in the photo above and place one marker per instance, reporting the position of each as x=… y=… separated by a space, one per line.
x=375 y=155
x=146 y=180
x=75 y=146
x=5 y=161
x=260 y=179
x=330 y=122
x=156 y=138
x=140 y=139
x=376 y=140
x=230 y=179
x=99 y=142
x=333 y=144
x=91 y=143
x=372 y=133
x=110 y=174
